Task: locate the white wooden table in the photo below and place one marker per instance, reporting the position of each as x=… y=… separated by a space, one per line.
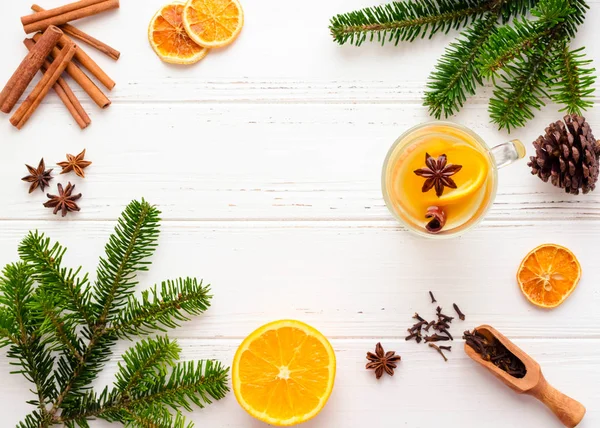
x=265 y=161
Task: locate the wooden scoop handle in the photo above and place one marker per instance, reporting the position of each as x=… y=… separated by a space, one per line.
x=569 y=411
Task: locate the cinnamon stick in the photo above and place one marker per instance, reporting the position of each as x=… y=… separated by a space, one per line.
x=30 y=105
x=84 y=37
x=82 y=80
x=24 y=74
x=91 y=65
x=65 y=93
x=39 y=21
x=87 y=62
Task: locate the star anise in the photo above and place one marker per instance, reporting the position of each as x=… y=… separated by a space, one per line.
x=75 y=164
x=64 y=201
x=438 y=172
x=38 y=177
x=381 y=361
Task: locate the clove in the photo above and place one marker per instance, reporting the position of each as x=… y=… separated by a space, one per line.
x=459 y=312
x=432 y=297
x=439 y=349
x=496 y=353
x=447 y=333
x=418 y=317
x=436 y=338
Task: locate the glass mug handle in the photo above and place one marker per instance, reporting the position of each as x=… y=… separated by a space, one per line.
x=508 y=153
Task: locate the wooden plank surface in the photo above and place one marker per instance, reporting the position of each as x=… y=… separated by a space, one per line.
x=265 y=160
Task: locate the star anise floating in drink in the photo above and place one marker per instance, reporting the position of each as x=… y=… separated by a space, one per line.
x=437 y=174
x=38 y=177
x=75 y=164
x=382 y=362
x=64 y=201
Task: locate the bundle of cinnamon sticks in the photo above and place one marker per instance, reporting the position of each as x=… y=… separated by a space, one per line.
x=53 y=52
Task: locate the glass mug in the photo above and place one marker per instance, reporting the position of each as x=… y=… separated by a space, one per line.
x=440 y=179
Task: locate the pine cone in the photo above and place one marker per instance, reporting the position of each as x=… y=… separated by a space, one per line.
x=567 y=155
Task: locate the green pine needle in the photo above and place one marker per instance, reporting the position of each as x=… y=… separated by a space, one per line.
x=405 y=21
x=144 y=362
x=153 y=417
x=28 y=350
x=184 y=385
x=60 y=332
x=574 y=80
x=509 y=43
x=189 y=383
x=503 y=40
x=71 y=293
x=456 y=76
x=127 y=252
x=520 y=92
x=163 y=307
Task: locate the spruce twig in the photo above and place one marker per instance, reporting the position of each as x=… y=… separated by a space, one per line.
x=457 y=76
x=61 y=331
x=512 y=103
x=493 y=45
x=573 y=80
x=405 y=21
x=27 y=348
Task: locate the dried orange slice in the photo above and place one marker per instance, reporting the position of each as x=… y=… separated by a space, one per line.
x=283 y=373
x=168 y=37
x=213 y=23
x=548 y=275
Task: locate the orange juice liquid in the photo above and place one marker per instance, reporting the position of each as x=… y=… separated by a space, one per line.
x=475 y=181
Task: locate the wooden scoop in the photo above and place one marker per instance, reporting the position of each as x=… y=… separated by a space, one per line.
x=569 y=411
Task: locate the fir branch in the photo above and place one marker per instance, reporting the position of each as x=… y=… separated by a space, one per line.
x=35 y=322
x=59 y=332
x=409 y=20
x=154 y=417
x=508 y=43
x=35 y=420
x=75 y=381
x=71 y=293
x=406 y=21
x=526 y=79
x=159 y=310
x=188 y=383
x=127 y=251
x=483 y=52
x=512 y=104
x=522 y=39
x=8 y=335
x=144 y=361
x=456 y=74
x=573 y=10
x=36 y=362
x=573 y=80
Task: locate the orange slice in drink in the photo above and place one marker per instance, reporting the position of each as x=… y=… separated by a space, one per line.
x=168 y=37
x=283 y=373
x=475 y=167
x=213 y=23
x=548 y=275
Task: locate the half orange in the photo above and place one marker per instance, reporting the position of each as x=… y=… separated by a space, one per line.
x=213 y=23
x=169 y=39
x=283 y=373
x=548 y=275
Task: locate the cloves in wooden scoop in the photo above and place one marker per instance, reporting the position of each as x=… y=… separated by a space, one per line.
x=437 y=219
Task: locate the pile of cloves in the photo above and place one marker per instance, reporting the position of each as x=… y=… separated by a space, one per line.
x=496 y=353
x=440 y=329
